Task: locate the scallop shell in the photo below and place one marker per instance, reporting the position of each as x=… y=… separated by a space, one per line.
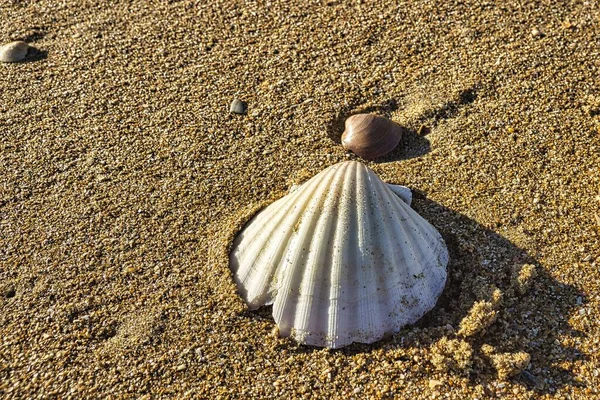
x=342 y=258
x=371 y=136
x=13 y=52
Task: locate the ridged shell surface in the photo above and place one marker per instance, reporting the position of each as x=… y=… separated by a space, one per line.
x=342 y=259
x=371 y=136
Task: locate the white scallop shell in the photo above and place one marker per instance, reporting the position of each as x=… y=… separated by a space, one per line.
x=342 y=259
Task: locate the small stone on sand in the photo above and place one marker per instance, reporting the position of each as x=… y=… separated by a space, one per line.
x=13 y=52
x=238 y=106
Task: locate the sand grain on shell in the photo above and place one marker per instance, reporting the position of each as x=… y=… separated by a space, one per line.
x=123 y=179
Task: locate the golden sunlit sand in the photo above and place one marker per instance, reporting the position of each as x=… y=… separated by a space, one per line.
x=124 y=179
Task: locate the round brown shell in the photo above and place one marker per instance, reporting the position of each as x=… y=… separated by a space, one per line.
x=371 y=136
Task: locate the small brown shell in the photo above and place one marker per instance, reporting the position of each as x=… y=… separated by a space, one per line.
x=371 y=136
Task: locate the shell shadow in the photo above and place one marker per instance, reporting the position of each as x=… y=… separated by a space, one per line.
x=34 y=55
x=413 y=144
x=449 y=109
x=535 y=322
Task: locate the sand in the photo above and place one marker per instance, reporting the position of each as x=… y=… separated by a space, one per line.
x=124 y=178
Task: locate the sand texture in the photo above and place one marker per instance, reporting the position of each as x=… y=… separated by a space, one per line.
x=124 y=178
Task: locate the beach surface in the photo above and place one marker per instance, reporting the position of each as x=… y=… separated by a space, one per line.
x=124 y=178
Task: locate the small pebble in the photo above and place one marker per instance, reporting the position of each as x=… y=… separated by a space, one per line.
x=13 y=52
x=535 y=32
x=238 y=106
